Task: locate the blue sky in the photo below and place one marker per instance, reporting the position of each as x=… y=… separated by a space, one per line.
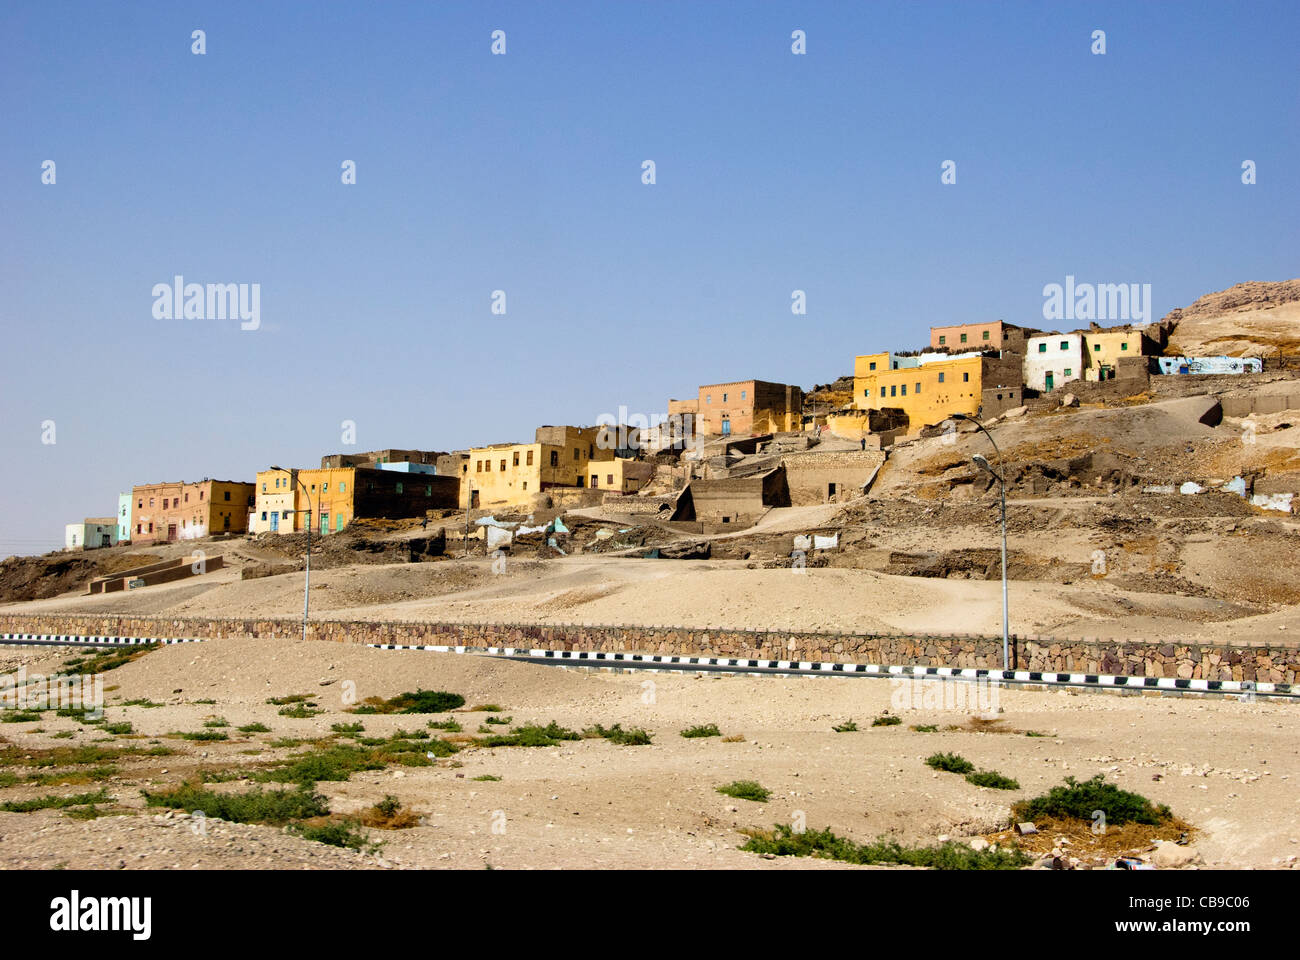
x=522 y=173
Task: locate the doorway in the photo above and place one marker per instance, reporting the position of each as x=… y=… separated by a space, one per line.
x=275 y=521
x=1049 y=381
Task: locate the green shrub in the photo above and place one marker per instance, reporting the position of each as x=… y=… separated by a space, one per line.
x=924 y=727
x=421 y=701
x=451 y=726
x=848 y=726
x=635 y=737
x=1079 y=799
x=254 y=728
x=347 y=728
x=531 y=735
x=216 y=722
x=487 y=776
x=200 y=735
x=51 y=802
x=746 y=790
x=254 y=806
x=341 y=834
x=993 y=779
x=119 y=729
x=704 y=730
x=950 y=762
x=785 y=842
x=300 y=711
x=886 y=721
x=18 y=716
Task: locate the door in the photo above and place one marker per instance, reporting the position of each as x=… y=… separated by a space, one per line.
x=275 y=521
x=1049 y=382
x=726 y=427
x=324 y=523
x=171 y=531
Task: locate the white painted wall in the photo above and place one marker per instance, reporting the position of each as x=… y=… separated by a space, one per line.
x=1054 y=358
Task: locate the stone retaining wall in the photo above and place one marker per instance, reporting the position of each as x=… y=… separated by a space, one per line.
x=1275 y=663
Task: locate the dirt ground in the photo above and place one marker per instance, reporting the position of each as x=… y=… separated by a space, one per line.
x=1228 y=768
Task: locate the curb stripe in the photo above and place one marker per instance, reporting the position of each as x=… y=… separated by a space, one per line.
x=787 y=667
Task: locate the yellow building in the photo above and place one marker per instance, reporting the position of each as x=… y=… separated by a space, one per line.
x=1107 y=347
x=276 y=502
x=512 y=474
x=330 y=498
x=620 y=475
x=927 y=392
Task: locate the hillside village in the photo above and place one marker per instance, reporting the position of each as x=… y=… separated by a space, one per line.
x=722 y=457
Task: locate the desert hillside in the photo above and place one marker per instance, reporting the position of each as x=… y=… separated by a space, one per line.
x=1247 y=320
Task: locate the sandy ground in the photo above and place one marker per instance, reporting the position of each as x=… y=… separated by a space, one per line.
x=1228 y=768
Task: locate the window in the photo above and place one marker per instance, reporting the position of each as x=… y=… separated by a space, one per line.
x=428 y=489
x=1065 y=344
x=525 y=484
x=1096 y=348
x=164 y=503
x=963 y=338
x=942 y=340
x=708 y=397
x=201 y=495
x=724 y=398
x=529 y=458
x=1042 y=348
x=742 y=394
x=399 y=483
x=871 y=365
x=151 y=501
x=516 y=459
x=904 y=389
x=1123 y=346
x=139 y=505
x=555 y=458
x=478 y=466
x=893 y=390
x=575 y=453
x=277 y=483
x=986 y=334
x=343 y=486
x=591 y=450
x=139 y=528
x=1069 y=372
x=338 y=522
x=263 y=515
x=324 y=488
x=502 y=468
x=866 y=392
x=595 y=479
x=941 y=378
x=918 y=388
x=965 y=378
x=609 y=479
x=151 y=528
x=187 y=498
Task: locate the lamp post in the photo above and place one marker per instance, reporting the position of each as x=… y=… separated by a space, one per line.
x=1000 y=476
x=306 y=590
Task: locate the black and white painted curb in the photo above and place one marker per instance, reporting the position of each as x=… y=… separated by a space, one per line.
x=655 y=662
x=55 y=640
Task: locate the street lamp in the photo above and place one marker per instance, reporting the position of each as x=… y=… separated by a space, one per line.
x=306 y=590
x=982 y=462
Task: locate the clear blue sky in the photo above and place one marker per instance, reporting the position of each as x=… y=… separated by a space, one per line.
x=522 y=172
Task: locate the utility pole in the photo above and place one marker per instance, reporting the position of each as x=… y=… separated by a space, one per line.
x=1000 y=476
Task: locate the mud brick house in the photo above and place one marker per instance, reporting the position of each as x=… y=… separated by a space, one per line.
x=746 y=407
x=163 y=512
x=981 y=336
x=514 y=474
x=331 y=498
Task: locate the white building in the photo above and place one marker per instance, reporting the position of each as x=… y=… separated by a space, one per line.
x=1054 y=359
x=91 y=533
